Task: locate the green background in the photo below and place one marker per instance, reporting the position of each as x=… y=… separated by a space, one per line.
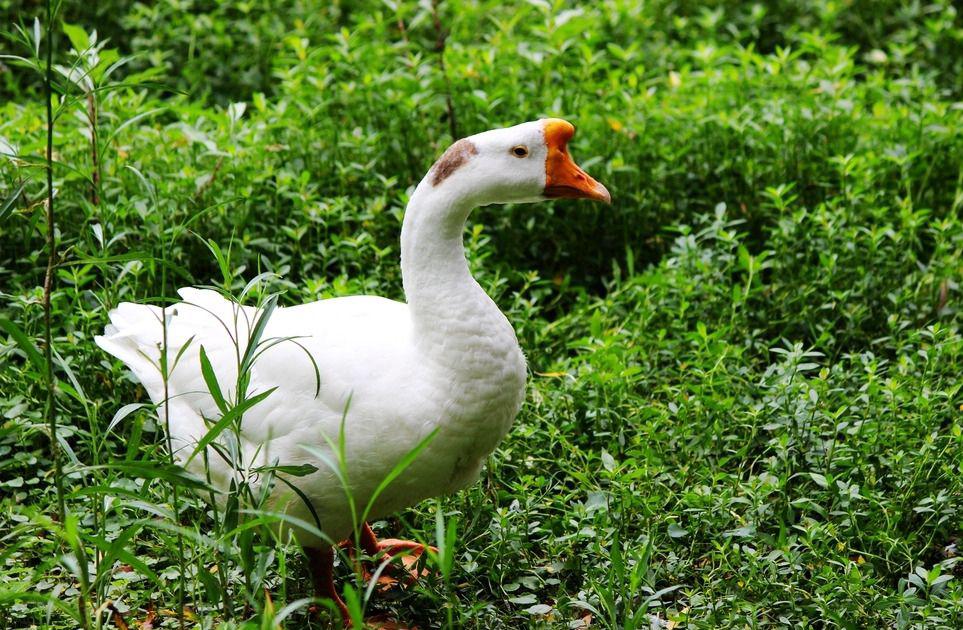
x=745 y=403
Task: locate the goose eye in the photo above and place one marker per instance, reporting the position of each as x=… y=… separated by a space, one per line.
x=520 y=151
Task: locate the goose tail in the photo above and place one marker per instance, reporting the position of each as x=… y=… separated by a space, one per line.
x=135 y=335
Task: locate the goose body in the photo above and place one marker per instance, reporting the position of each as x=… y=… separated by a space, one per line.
x=391 y=391
x=390 y=373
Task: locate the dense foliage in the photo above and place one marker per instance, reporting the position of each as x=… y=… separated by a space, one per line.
x=745 y=398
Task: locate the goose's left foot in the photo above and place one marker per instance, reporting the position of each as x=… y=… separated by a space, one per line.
x=385 y=550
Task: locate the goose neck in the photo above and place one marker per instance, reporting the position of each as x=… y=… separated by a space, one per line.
x=439 y=288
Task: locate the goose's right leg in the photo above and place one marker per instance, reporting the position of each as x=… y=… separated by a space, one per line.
x=321 y=565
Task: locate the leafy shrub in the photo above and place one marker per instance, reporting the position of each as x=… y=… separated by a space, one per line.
x=744 y=405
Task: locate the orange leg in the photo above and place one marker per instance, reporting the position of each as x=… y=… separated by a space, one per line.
x=321 y=565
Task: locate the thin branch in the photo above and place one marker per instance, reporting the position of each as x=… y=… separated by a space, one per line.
x=94 y=158
x=440 y=46
x=51 y=407
x=203 y=188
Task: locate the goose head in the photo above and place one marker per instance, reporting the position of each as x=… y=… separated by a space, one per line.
x=525 y=163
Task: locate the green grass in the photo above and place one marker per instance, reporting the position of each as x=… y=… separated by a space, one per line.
x=745 y=406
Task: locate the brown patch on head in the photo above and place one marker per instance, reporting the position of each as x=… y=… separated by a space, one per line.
x=456 y=155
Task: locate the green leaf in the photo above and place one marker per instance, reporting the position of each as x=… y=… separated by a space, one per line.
x=212 y=587
x=222 y=261
x=183 y=349
x=156 y=470
x=117 y=549
x=355 y=606
x=231 y=507
x=264 y=314
x=226 y=420
x=523 y=600
x=122 y=413
x=819 y=479
x=78 y=36
x=941 y=580
x=25 y=344
x=296 y=470
x=107 y=57
x=207 y=370
x=36 y=37
x=677 y=532
x=8 y=205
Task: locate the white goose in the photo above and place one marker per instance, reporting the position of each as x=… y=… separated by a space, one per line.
x=445 y=360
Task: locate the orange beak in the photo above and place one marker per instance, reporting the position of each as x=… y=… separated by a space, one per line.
x=563 y=177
